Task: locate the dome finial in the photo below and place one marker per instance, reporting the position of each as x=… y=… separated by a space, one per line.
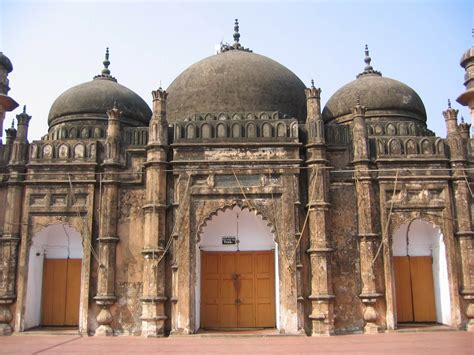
x=449 y=103
x=312 y=83
x=236 y=33
x=106 y=63
x=367 y=59
x=368 y=68
x=24 y=108
x=13 y=123
x=105 y=73
x=236 y=46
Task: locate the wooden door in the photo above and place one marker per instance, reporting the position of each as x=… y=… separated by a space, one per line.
x=421 y=272
x=414 y=289
x=61 y=292
x=237 y=289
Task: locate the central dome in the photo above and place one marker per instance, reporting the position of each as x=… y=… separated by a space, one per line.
x=236 y=81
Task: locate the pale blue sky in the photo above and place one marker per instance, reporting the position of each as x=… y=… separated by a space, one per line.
x=55 y=45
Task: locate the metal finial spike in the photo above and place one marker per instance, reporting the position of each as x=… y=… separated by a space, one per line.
x=312 y=83
x=358 y=100
x=115 y=104
x=106 y=63
x=24 y=108
x=367 y=59
x=13 y=123
x=160 y=86
x=449 y=103
x=462 y=119
x=236 y=31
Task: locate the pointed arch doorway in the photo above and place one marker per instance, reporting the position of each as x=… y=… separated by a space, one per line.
x=237 y=283
x=54 y=277
x=421 y=274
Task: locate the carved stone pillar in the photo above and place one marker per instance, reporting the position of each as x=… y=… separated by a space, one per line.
x=366 y=218
x=457 y=141
x=108 y=215
x=320 y=251
x=153 y=299
x=10 y=237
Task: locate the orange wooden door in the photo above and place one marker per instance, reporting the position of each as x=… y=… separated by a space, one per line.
x=403 y=289
x=265 y=289
x=227 y=292
x=210 y=290
x=237 y=290
x=422 y=288
x=245 y=290
x=414 y=289
x=73 y=292
x=61 y=289
x=54 y=292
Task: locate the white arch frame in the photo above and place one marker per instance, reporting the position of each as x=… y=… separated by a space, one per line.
x=422 y=238
x=209 y=239
x=55 y=241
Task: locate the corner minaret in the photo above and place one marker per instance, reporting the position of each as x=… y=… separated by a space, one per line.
x=458 y=141
x=369 y=239
x=320 y=250
x=154 y=239
x=6 y=102
x=12 y=207
x=314 y=120
x=467 y=97
x=108 y=225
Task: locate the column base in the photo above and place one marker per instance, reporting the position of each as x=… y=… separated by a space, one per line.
x=371 y=328
x=153 y=318
x=104 y=318
x=153 y=329
x=321 y=326
x=5 y=330
x=104 y=331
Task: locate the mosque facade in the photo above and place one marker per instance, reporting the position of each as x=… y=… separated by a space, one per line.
x=236 y=202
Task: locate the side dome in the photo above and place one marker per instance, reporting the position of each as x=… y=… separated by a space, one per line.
x=236 y=81
x=91 y=100
x=383 y=97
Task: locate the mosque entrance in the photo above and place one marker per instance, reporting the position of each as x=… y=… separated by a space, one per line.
x=237 y=277
x=415 y=290
x=420 y=268
x=237 y=290
x=61 y=291
x=54 y=277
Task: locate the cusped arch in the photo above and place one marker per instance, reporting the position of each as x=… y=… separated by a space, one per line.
x=230 y=206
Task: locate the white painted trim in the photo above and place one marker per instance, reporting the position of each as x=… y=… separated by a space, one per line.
x=424 y=239
x=53 y=242
x=252 y=234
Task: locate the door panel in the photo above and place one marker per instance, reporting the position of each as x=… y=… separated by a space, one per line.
x=210 y=290
x=245 y=290
x=73 y=291
x=61 y=292
x=54 y=292
x=422 y=287
x=237 y=290
x=403 y=289
x=265 y=289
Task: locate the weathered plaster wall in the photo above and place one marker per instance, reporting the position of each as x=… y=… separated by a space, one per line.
x=128 y=279
x=345 y=262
